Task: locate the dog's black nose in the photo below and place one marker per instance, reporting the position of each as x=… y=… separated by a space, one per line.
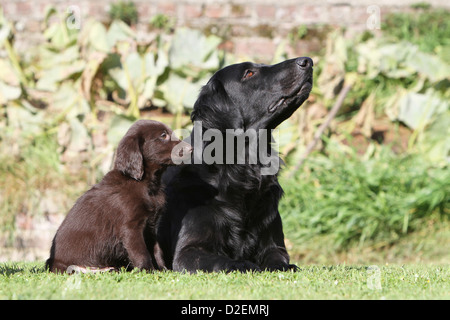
x=304 y=62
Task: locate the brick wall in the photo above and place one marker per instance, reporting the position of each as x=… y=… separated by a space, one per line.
x=253 y=28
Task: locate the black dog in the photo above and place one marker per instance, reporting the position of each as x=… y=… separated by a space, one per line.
x=105 y=227
x=224 y=216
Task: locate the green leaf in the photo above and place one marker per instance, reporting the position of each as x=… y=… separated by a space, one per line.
x=179 y=92
x=191 y=48
x=79 y=137
x=119 y=31
x=49 y=58
x=434 y=143
x=5 y=30
x=155 y=67
x=118 y=128
x=22 y=116
x=49 y=12
x=429 y=65
x=416 y=109
x=7 y=74
x=8 y=93
x=49 y=79
x=94 y=36
x=68 y=102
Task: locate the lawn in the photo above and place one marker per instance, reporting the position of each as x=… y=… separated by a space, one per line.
x=30 y=281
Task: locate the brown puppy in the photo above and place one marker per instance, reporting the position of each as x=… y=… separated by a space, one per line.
x=105 y=227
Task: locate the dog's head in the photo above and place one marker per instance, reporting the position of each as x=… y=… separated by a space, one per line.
x=249 y=95
x=148 y=144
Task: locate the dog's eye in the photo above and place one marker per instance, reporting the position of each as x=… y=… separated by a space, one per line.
x=164 y=135
x=248 y=74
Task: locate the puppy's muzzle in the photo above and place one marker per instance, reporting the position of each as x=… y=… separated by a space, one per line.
x=181 y=152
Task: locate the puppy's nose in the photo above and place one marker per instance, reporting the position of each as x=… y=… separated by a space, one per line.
x=185 y=149
x=188 y=149
x=304 y=62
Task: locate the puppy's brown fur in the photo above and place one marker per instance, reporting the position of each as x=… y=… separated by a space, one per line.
x=105 y=227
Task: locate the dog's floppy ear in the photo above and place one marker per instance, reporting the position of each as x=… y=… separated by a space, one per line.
x=129 y=159
x=215 y=108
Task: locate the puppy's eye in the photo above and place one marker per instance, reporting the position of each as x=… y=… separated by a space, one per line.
x=164 y=135
x=248 y=74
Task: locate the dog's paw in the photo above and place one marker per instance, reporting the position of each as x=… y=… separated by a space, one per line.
x=282 y=267
x=293 y=268
x=243 y=266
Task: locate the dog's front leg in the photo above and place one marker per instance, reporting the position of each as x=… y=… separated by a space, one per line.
x=133 y=240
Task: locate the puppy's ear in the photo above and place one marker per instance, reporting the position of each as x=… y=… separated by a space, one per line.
x=129 y=159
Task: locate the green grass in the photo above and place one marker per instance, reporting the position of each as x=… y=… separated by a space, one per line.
x=29 y=281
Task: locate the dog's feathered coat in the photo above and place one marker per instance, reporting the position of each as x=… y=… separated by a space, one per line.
x=225 y=216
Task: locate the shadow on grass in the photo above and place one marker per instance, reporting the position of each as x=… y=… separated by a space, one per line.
x=10 y=269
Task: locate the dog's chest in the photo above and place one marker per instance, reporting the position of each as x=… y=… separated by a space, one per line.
x=250 y=223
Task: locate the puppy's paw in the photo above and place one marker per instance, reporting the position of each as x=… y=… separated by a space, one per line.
x=74 y=269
